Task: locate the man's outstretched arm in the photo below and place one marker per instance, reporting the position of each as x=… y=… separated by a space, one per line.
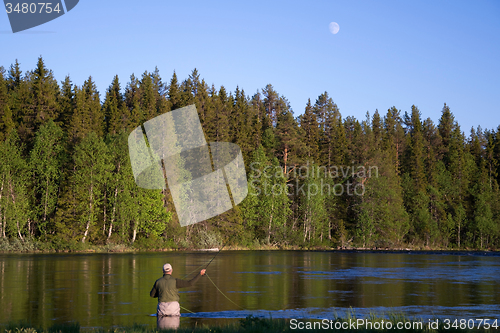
x=183 y=283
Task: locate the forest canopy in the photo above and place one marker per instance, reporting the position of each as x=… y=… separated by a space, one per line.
x=391 y=180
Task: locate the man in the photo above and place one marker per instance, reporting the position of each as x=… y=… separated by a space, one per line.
x=165 y=288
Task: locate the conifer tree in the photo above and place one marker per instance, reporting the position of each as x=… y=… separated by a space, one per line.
x=158 y=85
x=132 y=101
x=6 y=120
x=416 y=159
x=15 y=76
x=310 y=127
x=20 y=103
x=436 y=187
x=174 y=95
x=66 y=101
x=244 y=122
x=115 y=111
x=148 y=97
x=217 y=116
x=187 y=92
x=328 y=116
x=94 y=109
x=432 y=142
x=202 y=100
x=88 y=115
x=3 y=104
x=394 y=137
x=446 y=127
x=273 y=104
x=45 y=92
x=377 y=128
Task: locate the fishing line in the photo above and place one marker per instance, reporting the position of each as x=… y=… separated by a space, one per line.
x=223 y=293
x=209 y=262
x=220 y=250
x=203 y=265
x=183 y=308
x=194 y=270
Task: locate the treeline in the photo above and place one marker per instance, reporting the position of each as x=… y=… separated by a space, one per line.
x=391 y=180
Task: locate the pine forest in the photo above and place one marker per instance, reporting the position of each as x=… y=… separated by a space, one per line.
x=319 y=180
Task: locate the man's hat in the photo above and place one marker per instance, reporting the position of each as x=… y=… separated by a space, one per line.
x=167 y=268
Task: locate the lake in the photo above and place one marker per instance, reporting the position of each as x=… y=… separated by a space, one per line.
x=112 y=290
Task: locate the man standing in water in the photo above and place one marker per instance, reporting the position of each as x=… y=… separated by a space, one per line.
x=166 y=289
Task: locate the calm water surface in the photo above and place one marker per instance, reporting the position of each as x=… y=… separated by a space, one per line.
x=110 y=290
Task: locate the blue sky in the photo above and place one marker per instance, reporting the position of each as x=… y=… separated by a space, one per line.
x=386 y=53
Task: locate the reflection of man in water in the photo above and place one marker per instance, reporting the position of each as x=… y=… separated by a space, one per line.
x=165 y=288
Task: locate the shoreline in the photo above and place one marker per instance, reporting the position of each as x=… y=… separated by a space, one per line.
x=115 y=248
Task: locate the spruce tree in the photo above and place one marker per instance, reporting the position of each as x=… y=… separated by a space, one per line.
x=310 y=127
x=148 y=97
x=416 y=157
x=114 y=109
x=394 y=137
x=377 y=127
x=66 y=102
x=244 y=120
x=446 y=127
x=45 y=93
x=6 y=119
x=174 y=95
x=87 y=115
x=20 y=104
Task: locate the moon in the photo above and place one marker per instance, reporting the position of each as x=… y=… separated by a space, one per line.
x=334 y=27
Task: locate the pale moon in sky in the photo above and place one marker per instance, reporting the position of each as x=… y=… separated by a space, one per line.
x=334 y=27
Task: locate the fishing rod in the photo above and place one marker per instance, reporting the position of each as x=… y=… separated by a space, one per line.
x=215 y=255
x=223 y=245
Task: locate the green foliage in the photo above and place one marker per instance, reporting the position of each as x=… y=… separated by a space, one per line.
x=46 y=160
x=14 y=206
x=66 y=182
x=382 y=209
x=266 y=208
x=28 y=244
x=314 y=190
x=209 y=239
x=152 y=242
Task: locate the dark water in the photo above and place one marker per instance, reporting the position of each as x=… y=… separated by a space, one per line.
x=110 y=290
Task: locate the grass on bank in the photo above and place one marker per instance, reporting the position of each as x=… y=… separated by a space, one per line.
x=30 y=245
x=252 y=324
